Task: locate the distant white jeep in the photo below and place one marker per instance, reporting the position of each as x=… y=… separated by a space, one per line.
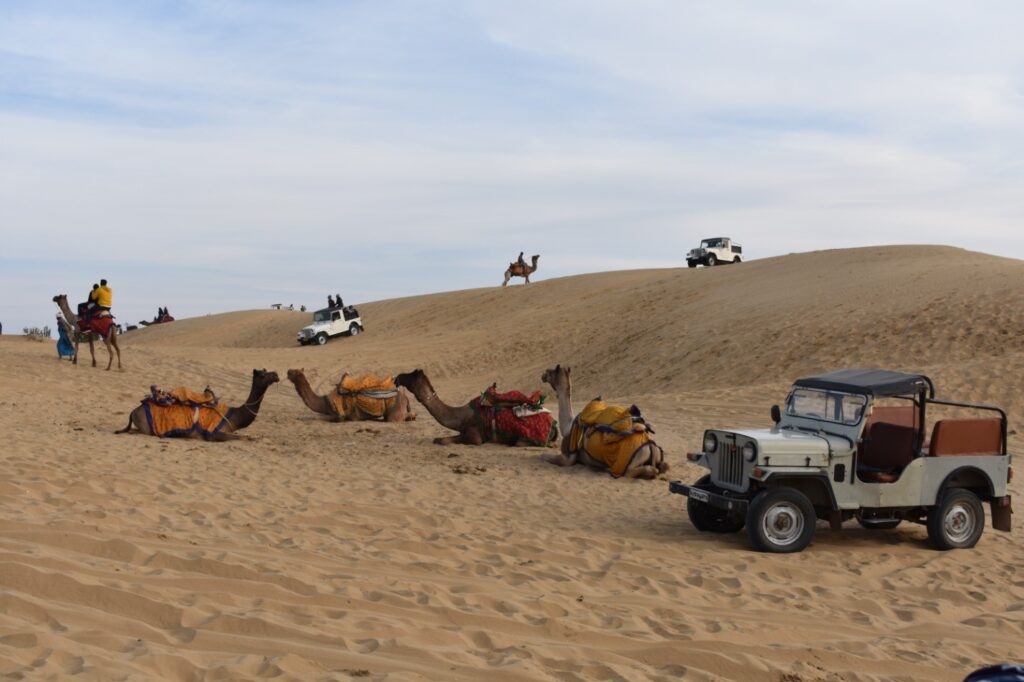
x=715 y=251
x=853 y=444
x=330 y=322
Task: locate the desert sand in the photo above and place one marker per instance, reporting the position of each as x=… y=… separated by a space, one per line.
x=311 y=550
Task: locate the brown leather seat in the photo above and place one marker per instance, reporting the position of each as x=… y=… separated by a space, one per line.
x=885 y=450
x=960 y=437
x=903 y=415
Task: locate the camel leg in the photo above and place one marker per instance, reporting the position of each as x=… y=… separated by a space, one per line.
x=117 y=348
x=527 y=278
x=508 y=276
x=74 y=360
x=92 y=349
x=563 y=460
x=449 y=440
x=643 y=471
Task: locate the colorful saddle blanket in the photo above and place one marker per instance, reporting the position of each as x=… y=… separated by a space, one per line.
x=181 y=412
x=514 y=416
x=612 y=434
x=371 y=394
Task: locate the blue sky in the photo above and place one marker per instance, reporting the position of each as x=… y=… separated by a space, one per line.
x=221 y=155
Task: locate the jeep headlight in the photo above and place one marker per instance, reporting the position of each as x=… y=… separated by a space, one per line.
x=749 y=451
x=710 y=442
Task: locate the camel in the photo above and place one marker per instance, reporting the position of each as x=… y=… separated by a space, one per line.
x=237 y=417
x=520 y=269
x=647 y=463
x=461 y=419
x=109 y=340
x=399 y=411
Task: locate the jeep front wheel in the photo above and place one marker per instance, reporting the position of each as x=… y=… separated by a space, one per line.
x=780 y=520
x=706 y=518
x=711 y=260
x=957 y=521
x=321 y=338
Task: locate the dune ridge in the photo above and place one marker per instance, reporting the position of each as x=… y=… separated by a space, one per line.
x=310 y=550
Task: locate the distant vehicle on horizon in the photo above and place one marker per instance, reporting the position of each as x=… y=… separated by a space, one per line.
x=715 y=251
x=331 y=322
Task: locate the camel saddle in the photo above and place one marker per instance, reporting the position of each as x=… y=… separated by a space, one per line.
x=182 y=411
x=371 y=394
x=517 y=269
x=512 y=417
x=612 y=434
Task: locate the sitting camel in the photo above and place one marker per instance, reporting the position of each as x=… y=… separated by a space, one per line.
x=467 y=420
x=639 y=457
x=212 y=423
x=102 y=327
x=520 y=269
x=340 y=405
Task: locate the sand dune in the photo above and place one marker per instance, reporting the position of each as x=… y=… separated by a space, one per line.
x=311 y=550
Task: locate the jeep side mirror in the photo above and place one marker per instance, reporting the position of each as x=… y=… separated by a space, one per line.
x=776 y=414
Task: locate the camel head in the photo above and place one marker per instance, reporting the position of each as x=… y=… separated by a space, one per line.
x=295 y=375
x=535 y=257
x=263 y=378
x=415 y=381
x=558 y=377
x=59 y=297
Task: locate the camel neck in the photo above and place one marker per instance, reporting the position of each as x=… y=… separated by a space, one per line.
x=450 y=417
x=245 y=414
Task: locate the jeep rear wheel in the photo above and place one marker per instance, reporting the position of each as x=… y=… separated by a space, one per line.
x=957 y=521
x=706 y=518
x=353 y=329
x=321 y=339
x=780 y=520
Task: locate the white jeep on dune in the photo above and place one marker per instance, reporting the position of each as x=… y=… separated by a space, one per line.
x=330 y=322
x=715 y=251
x=853 y=444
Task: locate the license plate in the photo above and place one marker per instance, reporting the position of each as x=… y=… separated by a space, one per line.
x=698 y=494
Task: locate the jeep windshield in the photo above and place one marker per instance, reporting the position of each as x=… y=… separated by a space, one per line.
x=828 y=406
x=711 y=243
x=322 y=316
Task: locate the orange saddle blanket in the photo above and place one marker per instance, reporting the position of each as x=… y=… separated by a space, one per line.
x=182 y=412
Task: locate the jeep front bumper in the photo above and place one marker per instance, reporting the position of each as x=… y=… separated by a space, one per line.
x=724 y=502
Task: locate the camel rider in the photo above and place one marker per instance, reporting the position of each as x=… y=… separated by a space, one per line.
x=104 y=296
x=519 y=261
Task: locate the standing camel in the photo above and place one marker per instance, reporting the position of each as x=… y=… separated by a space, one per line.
x=520 y=269
x=463 y=419
x=398 y=411
x=646 y=461
x=109 y=335
x=235 y=418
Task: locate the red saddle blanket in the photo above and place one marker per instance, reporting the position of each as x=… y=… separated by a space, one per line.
x=511 y=417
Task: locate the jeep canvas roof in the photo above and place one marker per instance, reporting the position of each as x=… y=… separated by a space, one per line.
x=877 y=382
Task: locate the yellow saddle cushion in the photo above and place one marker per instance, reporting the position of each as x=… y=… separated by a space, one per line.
x=609 y=433
x=369 y=393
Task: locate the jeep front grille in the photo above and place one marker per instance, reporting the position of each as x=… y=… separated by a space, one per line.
x=730 y=463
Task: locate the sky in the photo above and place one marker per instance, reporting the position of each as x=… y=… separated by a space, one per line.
x=225 y=154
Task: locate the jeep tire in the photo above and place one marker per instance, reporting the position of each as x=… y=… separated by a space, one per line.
x=780 y=520
x=321 y=338
x=706 y=518
x=711 y=260
x=957 y=521
x=691 y=263
x=353 y=329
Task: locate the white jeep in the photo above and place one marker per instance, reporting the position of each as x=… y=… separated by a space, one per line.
x=851 y=444
x=715 y=251
x=330 y=322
